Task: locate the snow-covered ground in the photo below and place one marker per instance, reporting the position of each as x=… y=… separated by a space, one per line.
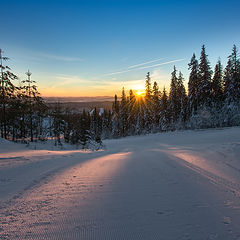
x=179 y=185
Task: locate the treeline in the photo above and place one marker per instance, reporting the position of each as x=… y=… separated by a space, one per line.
x=21 y=107
x=25 y=117
x=212 y=100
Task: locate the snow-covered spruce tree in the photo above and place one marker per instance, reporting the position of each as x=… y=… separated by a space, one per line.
x=123 y=114
x=34 y=106
x=202 y=116
x=174 y=103
x=156 y=105
x=13 y=118
x=106 y=124
x=217 y=84
x=84 y=133
x=94 y=122
x=204 y=87
x=77 y=128
x=182 y=98
x=217 y=96
x=147 y=105
x=232 y=78
x=115 y=118
x=72 y=127
x=139 y=113
x=231 y=108
x=148 y=86
x=95 y=125
x=7 y=89
x=131 y=119
x=164 y=112
x=193 y=84
x=115 y=106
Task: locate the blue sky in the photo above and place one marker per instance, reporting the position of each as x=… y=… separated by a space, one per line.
x=89 y=48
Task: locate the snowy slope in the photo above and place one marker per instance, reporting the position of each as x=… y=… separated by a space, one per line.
x=179 y=185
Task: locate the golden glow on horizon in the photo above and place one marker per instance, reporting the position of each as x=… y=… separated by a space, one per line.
x=92 y=91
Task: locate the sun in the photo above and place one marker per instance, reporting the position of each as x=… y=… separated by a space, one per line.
x=139 y=90
x=140 y=93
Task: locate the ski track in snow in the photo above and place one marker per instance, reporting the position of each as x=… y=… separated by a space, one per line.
x=180 y=185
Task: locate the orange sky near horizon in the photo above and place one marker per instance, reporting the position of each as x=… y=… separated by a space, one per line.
x=90 y=91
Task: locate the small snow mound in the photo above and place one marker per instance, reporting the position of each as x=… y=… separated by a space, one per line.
x=8 y=146
x=2 y=141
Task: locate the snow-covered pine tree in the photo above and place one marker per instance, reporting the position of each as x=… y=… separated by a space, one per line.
x=217 y=85
x=106 y=124
x=193 y=84
x=115 y=106
x=174 y=103
x=147 y=105
x=140 y=116
x=232 y=77
x=84 y=133
x=95 y=125
x=115 y=118
x=123 y=114
x=231 y=107
x=156 y=105
x=204 y=91
x=7 y=89
x=182 y=98
x=32 y=100
x=148 y=86
x=164 y=112
x=131 y=119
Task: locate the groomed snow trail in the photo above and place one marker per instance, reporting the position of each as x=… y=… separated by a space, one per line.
x=182 y=185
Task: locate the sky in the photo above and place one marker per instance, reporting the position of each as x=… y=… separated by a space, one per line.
x=94 y=48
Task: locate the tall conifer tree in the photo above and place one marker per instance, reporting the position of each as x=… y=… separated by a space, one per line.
x=193 y=83
x=217 y=84
x=205 y=73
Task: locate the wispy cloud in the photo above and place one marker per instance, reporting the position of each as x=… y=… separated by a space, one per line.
x=119 y=72
x=141 y=64
x=140 y=68
x=160 y=64
x=59 y=58
x=66 y=81
x=36 y=55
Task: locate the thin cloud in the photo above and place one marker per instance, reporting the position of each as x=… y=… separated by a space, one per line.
x=141 y=64
x=119 y=72
x=67 y=80
x=140 y=68
x=60 y=58
x=160 y=64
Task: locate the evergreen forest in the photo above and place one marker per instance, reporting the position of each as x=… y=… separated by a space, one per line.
x=211 y=100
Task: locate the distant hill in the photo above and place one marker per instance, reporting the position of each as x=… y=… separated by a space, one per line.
x=79 y=99
x=79 y=106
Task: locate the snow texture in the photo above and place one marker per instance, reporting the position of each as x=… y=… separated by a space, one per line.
x=179 y=185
